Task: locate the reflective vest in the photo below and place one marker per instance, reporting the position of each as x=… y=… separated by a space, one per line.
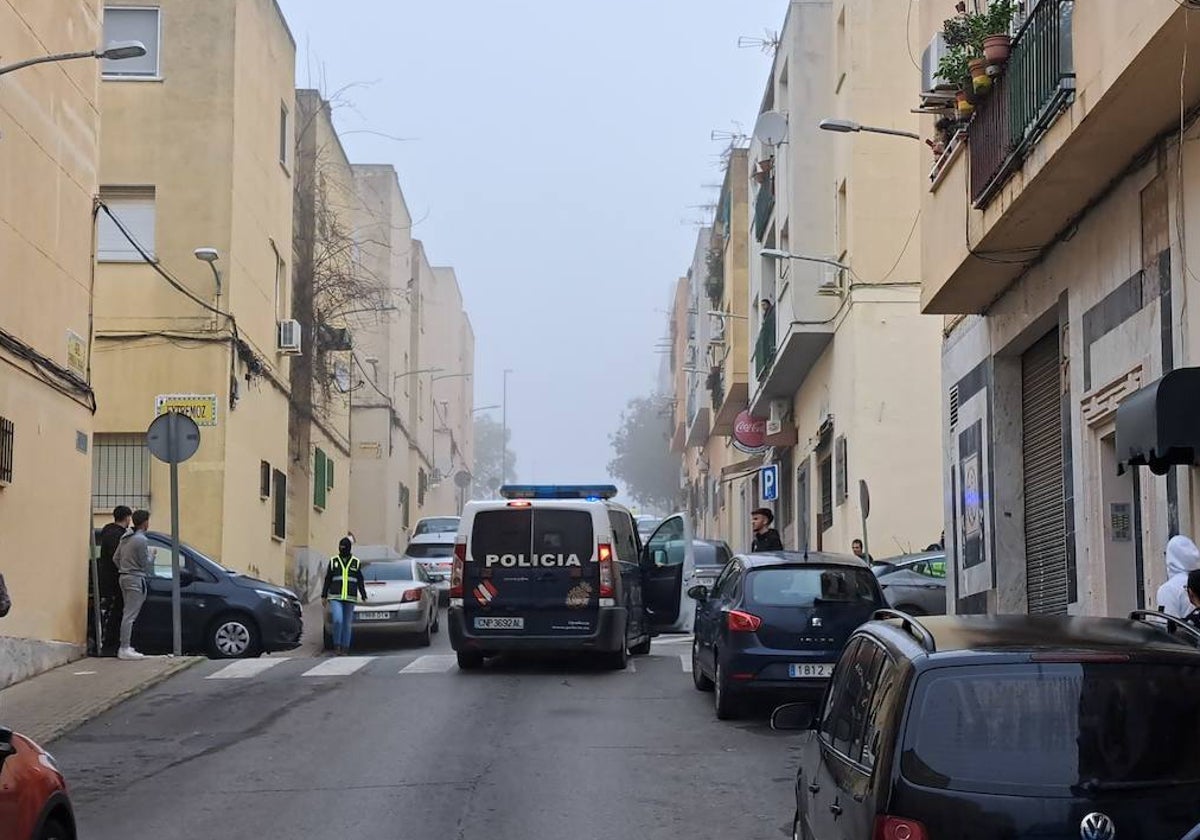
x=343 y=577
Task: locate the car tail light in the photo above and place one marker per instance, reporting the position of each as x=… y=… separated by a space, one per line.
x=898 y=828
x=410 y=595
x=742 y=622
x=607 y=588
x=456 y=573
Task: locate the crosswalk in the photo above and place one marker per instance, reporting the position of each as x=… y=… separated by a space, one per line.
x=428 y=664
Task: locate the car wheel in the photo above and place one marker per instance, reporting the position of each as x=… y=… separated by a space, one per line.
x=911 y=609
x=426 y=638
x=55 y=830
x=723 y=701
x=469 y=660
x=699 y=679
x=617 y=660
x=641 y=648
x=232 y=637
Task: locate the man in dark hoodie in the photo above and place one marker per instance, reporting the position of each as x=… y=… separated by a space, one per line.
x=344 y=585
x=109 y=580
x=766 y=538
x=135 y=567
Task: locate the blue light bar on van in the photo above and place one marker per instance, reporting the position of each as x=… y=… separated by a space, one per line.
x=591 y=492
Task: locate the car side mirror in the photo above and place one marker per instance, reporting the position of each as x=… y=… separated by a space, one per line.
x=660 y=556
x=699 y=592
x=186 y=578
x=793 y=716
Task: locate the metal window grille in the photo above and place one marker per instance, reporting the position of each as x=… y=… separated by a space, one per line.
x=842 y=473
x=279 y=517
x=826 y=472
x=120 y=471
x=264 y=480
x=7 y=448
x=320 y=483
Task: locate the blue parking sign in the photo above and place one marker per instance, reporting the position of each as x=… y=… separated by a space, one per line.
x=768 y=479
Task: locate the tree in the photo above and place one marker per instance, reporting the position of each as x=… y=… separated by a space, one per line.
x=642 y=456
x=491 y=440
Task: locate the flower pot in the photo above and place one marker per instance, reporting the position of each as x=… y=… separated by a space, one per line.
x=980 y=80
x=965 y=108
x=996 y=48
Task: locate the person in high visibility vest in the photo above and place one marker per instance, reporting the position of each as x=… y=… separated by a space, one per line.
x=344 y=586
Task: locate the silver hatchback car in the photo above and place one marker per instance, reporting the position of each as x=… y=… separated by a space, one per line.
x=401 y=601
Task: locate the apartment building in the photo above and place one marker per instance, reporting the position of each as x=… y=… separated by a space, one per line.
x=198 y=152
x=843 y=363
x=49 y=147
x=450 y=346
x=1055 y=237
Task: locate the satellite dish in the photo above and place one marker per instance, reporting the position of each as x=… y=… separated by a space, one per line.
x=771 y=128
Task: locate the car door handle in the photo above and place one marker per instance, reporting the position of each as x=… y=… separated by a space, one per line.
x=835 y=809
x=814 y=788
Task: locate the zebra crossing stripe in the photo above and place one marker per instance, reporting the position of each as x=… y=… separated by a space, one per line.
x=685 y=659
x=434 y=663
x=339 y=666
x=244 y=669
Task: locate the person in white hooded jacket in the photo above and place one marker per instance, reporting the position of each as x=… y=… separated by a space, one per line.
x=1182 y=557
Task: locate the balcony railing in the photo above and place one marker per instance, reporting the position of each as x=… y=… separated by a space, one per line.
x=764 y=348
x=764 y=204
x=1038 y=82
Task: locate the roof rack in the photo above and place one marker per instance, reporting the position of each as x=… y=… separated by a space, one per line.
x=911 y=626
x=1154 y=617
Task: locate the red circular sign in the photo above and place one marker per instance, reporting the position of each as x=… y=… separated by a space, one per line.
x=749 y=431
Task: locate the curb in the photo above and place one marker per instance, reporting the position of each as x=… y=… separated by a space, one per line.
x=65 y=726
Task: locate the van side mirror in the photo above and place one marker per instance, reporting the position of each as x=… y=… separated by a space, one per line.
x=794 y=716
x=698 y=592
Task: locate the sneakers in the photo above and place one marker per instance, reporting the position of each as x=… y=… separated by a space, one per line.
x=129 y=653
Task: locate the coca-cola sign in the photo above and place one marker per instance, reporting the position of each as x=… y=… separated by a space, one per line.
x=749 y=433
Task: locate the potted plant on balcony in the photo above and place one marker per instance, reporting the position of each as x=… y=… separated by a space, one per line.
x=954 y=69
x=981 y=82
x=992 y=30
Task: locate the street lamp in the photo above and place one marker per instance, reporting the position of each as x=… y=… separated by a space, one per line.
x=115 y=51
x=788 y=255
x=850 y=126
x=504 y=431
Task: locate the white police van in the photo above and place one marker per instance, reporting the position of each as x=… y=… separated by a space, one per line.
x=556 y=567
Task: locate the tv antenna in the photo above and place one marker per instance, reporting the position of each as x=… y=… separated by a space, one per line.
x=768 y=44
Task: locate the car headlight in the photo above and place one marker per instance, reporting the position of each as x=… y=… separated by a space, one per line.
x=275 y=598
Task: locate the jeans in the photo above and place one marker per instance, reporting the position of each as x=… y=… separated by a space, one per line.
x=343 y=621
x=133 y=591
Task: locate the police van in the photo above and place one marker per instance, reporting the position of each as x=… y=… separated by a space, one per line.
x=556 y=567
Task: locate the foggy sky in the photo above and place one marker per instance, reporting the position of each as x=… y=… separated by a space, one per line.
x=553 y=151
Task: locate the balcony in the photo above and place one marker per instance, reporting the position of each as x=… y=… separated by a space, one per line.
x=1089 y=89
x=764 y=348
x=764 y=205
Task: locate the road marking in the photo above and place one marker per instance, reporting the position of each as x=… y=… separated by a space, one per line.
x=673 y=640
x=245 y=668
x=685 y=659
x=630 y=667
x=338 y=666
x=434 y=663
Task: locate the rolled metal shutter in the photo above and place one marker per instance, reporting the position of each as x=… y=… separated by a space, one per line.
x=1042 y=460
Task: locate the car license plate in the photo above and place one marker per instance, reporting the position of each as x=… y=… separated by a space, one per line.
x=372 y=616
x=808 y=670
x=499 y=623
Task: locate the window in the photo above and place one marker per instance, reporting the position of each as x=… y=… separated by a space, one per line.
x=437 y=525
x=133 y=208
x=124 y=23
x=825 y=471
x=285 y=139
x=723 y=585
x=836 y=700
x=849 y=698
x=120 y=472
x=803 y=586
x=328 y=473
x=839 y=447
x=281 y=285
x=264 y=480
x=320 y=482
x=279 y=517
x=7 y=441
x=666 y=546
x=422 y=486
x=881 y=701
x=623 y=537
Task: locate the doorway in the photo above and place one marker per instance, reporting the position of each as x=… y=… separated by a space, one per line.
x=1122 y=575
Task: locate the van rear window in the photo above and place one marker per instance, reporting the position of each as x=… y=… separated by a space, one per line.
x=522 y=534
x=507 y=531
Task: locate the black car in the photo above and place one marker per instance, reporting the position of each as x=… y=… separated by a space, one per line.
x=1017 y=726
x=773 y=624
x=224 y=614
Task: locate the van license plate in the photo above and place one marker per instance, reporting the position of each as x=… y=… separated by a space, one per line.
x=810 y=670
x=499 y=623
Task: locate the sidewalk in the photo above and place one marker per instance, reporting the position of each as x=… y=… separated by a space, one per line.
x=53 y=703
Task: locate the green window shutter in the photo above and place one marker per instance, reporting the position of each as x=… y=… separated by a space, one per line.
x=329 y=473
x=319 y=483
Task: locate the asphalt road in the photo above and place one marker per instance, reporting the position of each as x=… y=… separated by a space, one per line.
x=522 y=750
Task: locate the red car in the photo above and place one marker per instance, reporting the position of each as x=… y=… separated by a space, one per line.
x=34 y=804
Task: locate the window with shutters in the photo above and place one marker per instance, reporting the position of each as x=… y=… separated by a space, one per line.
x=839 y=447
x=7 y=450
x=825 y=471
x=131 y=23
x=328 y=473
x=279 y=513
x=120 y=472
x=404 y=516
x=422 y=486
x=132 y=217
x=264 y=480
x=320 y=485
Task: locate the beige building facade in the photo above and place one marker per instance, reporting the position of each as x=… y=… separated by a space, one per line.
x=1056 y=233
x=198 y=152
x=49 y=156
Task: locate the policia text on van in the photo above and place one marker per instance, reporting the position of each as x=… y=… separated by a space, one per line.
x=556 y=567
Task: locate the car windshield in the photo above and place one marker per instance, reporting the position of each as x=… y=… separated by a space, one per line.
x=796 y=586
x=388 y=571
x=1061 y=728
x=440 y=525
x=425 y=550
x=711 y=555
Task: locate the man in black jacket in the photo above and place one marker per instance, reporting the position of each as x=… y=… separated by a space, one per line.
x=111 y=602
x=766 y=538
x=344 y=586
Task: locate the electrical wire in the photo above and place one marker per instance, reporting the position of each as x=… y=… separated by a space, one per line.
x=63 y=380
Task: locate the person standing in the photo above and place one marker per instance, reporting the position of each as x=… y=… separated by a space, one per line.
x=135 y=567
x=766 y=538
x=1182 y=557
x=109 y=581
x=344 y=585
x=857 y=547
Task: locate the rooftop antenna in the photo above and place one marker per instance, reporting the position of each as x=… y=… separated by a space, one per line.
x=768 y=44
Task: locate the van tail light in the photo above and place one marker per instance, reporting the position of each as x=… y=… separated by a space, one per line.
x=742 y=622
x=456 y=572
x=898 y=828
x=410 y=595
x=607 y=587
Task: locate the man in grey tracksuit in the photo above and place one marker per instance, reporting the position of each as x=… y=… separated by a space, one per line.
x=135 y=566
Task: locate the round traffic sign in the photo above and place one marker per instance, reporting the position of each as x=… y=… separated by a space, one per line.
x=462 y=479
x=173 y=437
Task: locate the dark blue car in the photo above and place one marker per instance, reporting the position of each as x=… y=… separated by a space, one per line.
x=774 y=624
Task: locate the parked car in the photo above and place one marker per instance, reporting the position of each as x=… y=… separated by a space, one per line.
x=1009 y=726
x=710 y=557
x=436 y=525
x=646 y=525
x=401 y=600
x=434 y=551
x=34 y=802
x=914 y=583
x=698 y=561
x=225 y=614
x=774 y=624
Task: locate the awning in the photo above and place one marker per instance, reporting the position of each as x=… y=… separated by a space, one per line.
x=747 y=466
x=1159 y=425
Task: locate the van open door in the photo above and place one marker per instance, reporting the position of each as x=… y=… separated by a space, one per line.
x=667 y=555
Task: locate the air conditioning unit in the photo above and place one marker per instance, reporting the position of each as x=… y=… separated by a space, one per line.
x=717 y=331
x=289 y=337
x=930 y=81
x=778 y=411
x=831 y=280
